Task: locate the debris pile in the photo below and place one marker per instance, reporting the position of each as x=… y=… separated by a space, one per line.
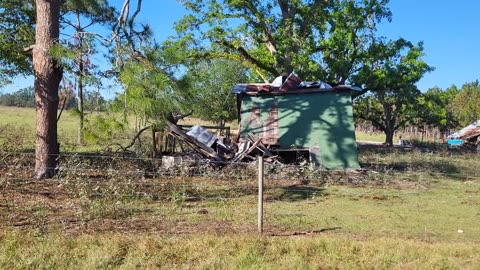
x=216 y=151
x=468 y=135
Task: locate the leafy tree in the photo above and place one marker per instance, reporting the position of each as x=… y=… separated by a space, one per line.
x=351 y=29
x=211 y=83
x=78 y=48
x=466 y=104
x=436 y=108
x=279 y=36
x=17 y=20
x=391 y=76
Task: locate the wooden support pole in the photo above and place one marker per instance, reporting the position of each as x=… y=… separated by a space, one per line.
x=260 y=194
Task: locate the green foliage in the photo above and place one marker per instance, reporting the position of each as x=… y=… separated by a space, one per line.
x=147 y=91
x=314 y=38
x=466 y=104
x=104 y=129
x=391 y=75
x=22 y=98
x=17 y=20
x=210 y=84
x=351 y=33
x=437 y=110
x=96 y=11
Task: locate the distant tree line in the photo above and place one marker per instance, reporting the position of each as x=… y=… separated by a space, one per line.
x=25 y=97
x=436 y=111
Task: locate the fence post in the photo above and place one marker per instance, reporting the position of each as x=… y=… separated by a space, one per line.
x=260 y=194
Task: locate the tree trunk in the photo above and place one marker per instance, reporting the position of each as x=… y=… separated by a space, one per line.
x=389 y=136
x=80 y=102
x=47 y=79
x=80 y=73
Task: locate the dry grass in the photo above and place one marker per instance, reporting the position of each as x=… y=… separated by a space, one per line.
x=121 y=251
x=409 y=210
x=406 y=214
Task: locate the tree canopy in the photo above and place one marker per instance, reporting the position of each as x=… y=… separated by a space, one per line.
x=466 y=104
x=211 y=82
x=313 y=38
x=391 y=77
x=17 y=33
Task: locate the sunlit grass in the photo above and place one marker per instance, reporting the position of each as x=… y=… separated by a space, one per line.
x=150 y=251
x=410 y=209
x=413 y=217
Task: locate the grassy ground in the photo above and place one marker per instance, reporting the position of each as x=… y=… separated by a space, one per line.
x=372 y=137
x=409 y=210
x=17 y=129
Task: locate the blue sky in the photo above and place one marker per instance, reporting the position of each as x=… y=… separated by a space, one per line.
x=451 y=35
x=450 y=31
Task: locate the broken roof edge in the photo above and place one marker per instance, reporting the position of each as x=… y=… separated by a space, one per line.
x=255 y=89
x=290 y=84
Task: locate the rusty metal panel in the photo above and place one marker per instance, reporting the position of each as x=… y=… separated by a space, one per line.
x=292 y=82
x=261 y=120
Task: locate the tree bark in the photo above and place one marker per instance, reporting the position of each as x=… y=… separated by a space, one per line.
x=48 y=74
x=80 y=101
x=389 y=136
x=80 y=72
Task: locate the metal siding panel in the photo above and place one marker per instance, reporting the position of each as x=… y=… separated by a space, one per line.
x=323 y=121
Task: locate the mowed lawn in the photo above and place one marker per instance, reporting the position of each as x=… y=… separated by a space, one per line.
x=408 y=209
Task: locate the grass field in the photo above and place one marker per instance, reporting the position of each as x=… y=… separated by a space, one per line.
x=409 y=209
x=18 y=125
x=22 y=121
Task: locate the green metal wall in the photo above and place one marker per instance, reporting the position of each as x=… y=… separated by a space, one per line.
x=322 y=121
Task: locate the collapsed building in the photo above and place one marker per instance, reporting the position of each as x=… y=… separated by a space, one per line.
x=313 y=120
x=469 y=135
x=285 y=121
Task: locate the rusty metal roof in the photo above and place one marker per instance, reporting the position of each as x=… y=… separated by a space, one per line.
x=290 y=85
x=467 y=132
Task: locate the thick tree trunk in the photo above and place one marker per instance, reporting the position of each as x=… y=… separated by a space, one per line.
x=47 y=79
x=389 y=136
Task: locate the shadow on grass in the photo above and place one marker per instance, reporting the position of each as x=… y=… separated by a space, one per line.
x=296 y=193
x=428 y=166
x=290 y=193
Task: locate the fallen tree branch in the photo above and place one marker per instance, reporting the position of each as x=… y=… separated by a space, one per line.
x=132 y=142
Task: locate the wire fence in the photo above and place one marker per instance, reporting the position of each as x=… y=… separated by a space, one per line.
x=122 y=192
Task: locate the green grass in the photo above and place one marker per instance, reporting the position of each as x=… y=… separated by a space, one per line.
x=22 y=120
x=408 y=210
x=17 y=127
x=412 y=210
x=120 y=251
x=373 y=137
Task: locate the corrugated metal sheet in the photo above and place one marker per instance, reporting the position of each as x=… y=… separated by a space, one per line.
x=470 y=131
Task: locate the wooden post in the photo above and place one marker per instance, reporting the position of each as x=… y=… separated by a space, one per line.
x=260 y=194
x=154 y=143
